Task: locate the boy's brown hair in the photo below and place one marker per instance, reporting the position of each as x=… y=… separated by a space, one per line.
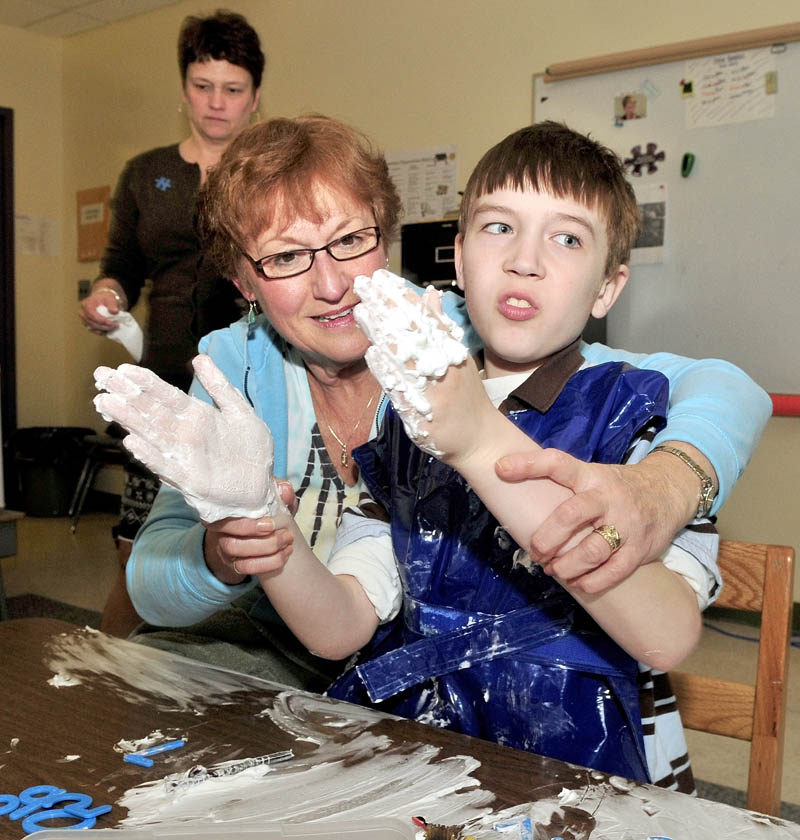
x=549 y=156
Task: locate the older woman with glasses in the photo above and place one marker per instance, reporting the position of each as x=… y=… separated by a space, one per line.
x=294 y=211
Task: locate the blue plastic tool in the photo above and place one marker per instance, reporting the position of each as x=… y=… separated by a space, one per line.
x=159 y=748
x=77 y=807
x=35 y=806
x=135 y=758
x=35 y=798
x=141 y=757
x=8 y=803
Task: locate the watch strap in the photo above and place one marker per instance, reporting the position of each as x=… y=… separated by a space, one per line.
x=707 y=491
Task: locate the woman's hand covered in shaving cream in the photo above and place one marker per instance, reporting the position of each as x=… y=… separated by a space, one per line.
x=218 y=456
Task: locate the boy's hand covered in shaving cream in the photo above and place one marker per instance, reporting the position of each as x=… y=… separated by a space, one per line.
x=419 y=360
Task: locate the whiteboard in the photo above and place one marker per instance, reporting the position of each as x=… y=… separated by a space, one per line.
x=728 y=281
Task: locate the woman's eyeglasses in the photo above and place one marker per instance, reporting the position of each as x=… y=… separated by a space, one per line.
x=291 y=263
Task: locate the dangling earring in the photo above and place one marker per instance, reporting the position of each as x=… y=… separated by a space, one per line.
x=180 y=108
x=253 y=311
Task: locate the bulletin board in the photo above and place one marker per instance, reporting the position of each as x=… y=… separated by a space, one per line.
x=712 y=148
x=93 y=215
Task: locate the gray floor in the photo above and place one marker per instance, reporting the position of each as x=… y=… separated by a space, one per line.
x=78 y=569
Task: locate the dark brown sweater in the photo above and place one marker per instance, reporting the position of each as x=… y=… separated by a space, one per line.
x=153 y=237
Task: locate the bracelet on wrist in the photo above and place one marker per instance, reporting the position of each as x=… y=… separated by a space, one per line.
x=707 y=491
x=110 y=291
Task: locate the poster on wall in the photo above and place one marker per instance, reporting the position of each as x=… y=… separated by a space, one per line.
x=36 y=236
x=427 y=180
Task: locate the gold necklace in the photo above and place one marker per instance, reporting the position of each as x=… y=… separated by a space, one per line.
x=343 y=443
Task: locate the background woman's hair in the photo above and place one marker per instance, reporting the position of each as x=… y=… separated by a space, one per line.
x=223 y=36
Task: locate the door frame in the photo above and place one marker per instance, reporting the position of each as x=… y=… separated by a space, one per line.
x=8 y=353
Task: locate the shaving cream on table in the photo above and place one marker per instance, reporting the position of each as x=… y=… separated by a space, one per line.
x=412 y=345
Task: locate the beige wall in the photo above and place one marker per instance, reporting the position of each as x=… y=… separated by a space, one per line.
x=31 y=85
x=410 y=73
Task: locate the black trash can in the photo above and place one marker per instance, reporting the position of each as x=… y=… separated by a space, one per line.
x=49 y=460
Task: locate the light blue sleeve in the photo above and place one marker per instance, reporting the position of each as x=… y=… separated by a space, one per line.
x=714 y=406
x=167 y=576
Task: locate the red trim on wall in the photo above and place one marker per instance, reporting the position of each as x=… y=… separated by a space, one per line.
x=785 y=405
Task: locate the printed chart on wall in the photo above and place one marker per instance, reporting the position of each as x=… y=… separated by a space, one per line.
x=710 y=146
x=426 y=180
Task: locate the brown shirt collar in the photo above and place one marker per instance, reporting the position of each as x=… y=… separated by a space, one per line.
x=541 y=389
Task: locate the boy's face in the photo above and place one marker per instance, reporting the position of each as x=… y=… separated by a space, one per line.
x=532 y=269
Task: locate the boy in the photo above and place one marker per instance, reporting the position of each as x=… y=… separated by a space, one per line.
x=486 y=645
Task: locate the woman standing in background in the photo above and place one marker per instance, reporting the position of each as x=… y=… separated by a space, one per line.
x=153 y=238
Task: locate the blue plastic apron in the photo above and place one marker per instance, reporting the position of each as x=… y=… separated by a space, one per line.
x=484 y=645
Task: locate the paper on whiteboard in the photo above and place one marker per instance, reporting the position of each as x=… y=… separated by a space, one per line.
x=427 y=180
x=649 y=246
x=730 y=88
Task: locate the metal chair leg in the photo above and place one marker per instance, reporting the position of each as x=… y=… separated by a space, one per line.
x=84 y=485
x=87 y=465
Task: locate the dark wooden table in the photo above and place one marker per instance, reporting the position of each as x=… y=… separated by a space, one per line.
x=70 y=697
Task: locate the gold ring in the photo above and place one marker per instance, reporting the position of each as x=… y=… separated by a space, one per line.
x=611 y=535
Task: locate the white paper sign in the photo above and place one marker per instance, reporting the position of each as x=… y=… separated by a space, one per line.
x=92 y=214
x=37 y=236
x=730 y=88
x=427 y=180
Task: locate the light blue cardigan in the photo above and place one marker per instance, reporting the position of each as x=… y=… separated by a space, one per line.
x=714 y=406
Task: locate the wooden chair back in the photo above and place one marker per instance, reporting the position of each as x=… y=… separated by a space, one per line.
x=757 y=578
